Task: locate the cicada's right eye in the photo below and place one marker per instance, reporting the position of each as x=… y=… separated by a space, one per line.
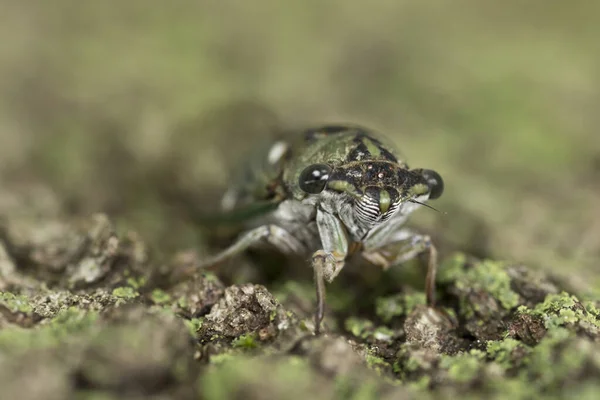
x=314 y=178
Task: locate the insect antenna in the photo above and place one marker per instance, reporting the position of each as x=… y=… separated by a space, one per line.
x=426 y=205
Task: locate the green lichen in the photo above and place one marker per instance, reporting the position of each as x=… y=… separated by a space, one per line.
x=411 y=365
x=160 y=297
x=383 y=334
x=137 y=283
x=389 y=307
x=194 y=325
x=365 y=329
x=463 y=367
x=410 y=360
x=557 y=356
x=125 y=292
x=452 y=268
x=375 y=362
x=246 y=342
x=591 y=308
x=15 y=303
x=487 y=275
x=501 y=351
x=73 y=320
x=546 y=368
x=562 y=309
x=182 y=302
x=358 y=327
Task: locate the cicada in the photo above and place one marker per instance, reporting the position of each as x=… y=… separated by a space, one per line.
x=329 y=192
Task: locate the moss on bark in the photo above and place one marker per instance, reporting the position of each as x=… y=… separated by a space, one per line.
x=87 y=311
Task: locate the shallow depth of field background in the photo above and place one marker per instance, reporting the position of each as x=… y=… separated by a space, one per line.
x=138 y=107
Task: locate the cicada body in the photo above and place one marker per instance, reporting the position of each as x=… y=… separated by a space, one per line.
x=328 y=191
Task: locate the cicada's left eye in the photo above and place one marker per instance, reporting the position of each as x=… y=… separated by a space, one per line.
x=314 y=178
x=435 y=183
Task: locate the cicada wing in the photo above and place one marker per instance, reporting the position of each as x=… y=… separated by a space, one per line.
x=239 y=215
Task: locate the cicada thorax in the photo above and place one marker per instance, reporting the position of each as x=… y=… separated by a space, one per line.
x=336 y=146
x=354 y=143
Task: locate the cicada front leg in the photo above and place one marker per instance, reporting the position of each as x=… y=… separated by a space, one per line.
x=329 y=261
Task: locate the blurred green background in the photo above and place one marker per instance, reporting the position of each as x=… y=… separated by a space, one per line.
x=139 y=107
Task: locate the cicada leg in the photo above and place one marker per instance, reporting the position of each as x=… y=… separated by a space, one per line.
x=407 y=246
x=328 y=262
x=326 y=266
x=273 y=234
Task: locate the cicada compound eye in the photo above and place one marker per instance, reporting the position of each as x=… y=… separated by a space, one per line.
x=314 y=178
x=435 y=183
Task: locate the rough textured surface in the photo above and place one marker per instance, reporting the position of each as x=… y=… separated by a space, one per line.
x=85 y=310
x=138 y=112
